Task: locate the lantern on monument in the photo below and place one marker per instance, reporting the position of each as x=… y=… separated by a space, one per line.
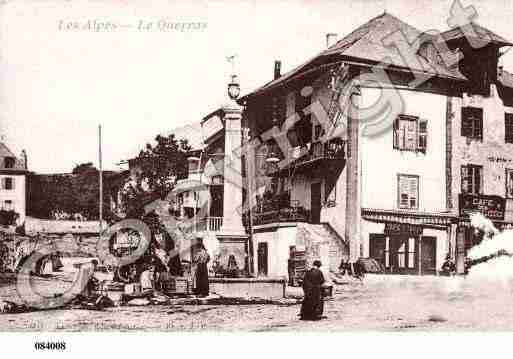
x=234 y=88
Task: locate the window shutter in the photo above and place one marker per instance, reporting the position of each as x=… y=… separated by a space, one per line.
x=508 y=128
x=4 y=183
x=478 y=130
x=396 y=134
x=414 y=189
x=411 y=135
x=477 y=180
x=422 y=141
x=408 y=191
x=466 y=127
x=13 y=183
x=509 y=183
x=403 y=192
x=464 y=179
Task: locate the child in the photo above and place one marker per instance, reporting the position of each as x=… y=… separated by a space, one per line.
x=148 y=280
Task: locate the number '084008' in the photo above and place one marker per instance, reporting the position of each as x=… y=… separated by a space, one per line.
x=50 y=346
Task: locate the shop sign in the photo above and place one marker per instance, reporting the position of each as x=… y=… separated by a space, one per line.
x=394 y=228
x=492 y=207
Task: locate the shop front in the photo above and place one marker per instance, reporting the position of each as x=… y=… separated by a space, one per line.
x=407 y=243
x=404 y=253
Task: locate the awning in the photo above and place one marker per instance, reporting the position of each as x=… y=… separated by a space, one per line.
x=190 y=185
x=415 y=218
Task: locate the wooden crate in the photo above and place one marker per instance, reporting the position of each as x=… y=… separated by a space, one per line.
x=177 y=285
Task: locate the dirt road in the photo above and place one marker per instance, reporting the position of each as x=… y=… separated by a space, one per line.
x=380 y=302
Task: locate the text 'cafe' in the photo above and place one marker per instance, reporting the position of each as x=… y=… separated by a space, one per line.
x=492 y=207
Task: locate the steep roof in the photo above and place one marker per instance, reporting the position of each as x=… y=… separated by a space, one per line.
x=19 y=164
x=365 y=45
x=481 y=32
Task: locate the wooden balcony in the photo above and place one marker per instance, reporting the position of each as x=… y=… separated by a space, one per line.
x=326 y=155
x=278 y=209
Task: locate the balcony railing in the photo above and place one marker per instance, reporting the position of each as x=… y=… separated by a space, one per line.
x=332 y=150
x=207 y=224
x=319 y=152
x=214 y=223
x=278 y=209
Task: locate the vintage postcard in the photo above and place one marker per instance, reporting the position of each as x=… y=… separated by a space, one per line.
x=244 y=166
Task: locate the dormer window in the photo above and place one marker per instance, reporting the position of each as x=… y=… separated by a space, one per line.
x=9 y=162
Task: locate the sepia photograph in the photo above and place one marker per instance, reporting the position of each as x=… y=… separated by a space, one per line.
x=237 y=166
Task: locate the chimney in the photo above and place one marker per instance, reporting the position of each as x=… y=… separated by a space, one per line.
x=331 y=39
x=277 y=69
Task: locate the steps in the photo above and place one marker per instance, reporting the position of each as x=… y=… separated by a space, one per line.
x=321 y=241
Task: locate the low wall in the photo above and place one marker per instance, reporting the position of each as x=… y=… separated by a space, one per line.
x=268 y=288
x=36 y=225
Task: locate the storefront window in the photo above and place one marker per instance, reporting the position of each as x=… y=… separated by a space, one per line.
x=387 y=252
x=401 y=255
x=411 y=252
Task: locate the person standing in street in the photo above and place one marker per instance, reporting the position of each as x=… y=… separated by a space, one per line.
x=313 y=302
x=199 y=269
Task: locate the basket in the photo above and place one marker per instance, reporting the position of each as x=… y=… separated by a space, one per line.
x=327 y=291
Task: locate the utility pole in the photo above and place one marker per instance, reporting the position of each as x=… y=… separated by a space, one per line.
x=100 y=177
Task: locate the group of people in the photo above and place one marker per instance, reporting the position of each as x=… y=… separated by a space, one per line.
x=150 y=275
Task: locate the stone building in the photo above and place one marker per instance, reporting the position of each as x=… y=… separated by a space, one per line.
x=13 y=179
x=378 y=147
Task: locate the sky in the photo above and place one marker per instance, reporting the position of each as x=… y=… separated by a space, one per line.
x=58 y=83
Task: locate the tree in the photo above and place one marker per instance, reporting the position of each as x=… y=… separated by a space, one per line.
x=84 y=168
x=69 y=194
x=154 y=173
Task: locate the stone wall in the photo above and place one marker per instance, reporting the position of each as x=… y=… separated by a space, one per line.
x=492 y=152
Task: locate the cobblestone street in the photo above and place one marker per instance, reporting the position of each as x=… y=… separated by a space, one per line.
x=397 y=303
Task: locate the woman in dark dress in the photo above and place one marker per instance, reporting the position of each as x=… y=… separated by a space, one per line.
x=313 y=302
x=200 y=270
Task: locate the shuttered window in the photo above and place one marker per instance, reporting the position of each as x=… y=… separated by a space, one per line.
x=471 y=179
x=410 y=134
x=423 y=133
x=8 y=183
x=508 y=128
x=408 y=191
x=472 y=122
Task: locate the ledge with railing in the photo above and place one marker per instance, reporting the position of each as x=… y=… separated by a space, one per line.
x=319 y=152
x=207 y=224
x=278 y=209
